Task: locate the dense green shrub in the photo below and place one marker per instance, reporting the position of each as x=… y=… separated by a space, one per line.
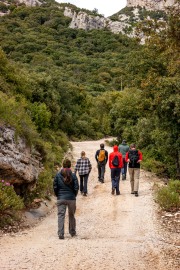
x=168 y=197
x=9 y=200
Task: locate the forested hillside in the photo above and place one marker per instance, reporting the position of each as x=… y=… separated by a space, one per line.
x=60 y=83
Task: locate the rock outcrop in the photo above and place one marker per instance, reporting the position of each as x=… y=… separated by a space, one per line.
x=30 y=3
x=82 y=20
x=151 y=4
x=18 y=164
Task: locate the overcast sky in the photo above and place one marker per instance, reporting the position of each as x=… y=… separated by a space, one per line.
x=107 y=8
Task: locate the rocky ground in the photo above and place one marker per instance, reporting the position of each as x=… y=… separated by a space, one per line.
x=113 y=232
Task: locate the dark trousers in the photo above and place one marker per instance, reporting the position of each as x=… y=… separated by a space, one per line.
x=101 y=170
x=115 y=178
x=62 y=205
x=124 y=169
x=83 y=182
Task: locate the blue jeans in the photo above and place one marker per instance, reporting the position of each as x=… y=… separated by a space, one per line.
x=83 y=182
x=115 y=178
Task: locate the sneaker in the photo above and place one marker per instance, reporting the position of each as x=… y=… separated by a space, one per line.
x=61 y=236
x=136 y=193
x=113 y=191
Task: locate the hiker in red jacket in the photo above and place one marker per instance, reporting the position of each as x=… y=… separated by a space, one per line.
x=115 y=164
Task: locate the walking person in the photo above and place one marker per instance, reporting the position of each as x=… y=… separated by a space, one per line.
x=83 y=166
x=134 y=158
x=123 y=149
x=66 y=188
x=101 y=157
x=115 y=164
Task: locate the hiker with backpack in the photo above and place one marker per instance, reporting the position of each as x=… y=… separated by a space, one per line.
x=83 y=166
x=123 y=149
x=134 y=158
x=66 y=188
x=101 y=157
x=115 y=164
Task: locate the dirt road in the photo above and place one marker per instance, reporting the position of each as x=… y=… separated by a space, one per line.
x=113 y=232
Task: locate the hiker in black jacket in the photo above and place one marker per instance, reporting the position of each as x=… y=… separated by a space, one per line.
x=66 y=188
x=101 y=157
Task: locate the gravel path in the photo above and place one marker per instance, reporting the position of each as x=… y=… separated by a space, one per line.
x=113 y=232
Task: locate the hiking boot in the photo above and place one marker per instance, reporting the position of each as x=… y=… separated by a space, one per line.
x=61 y=236
x=132 y=192
x=123 y=177
x=118 y=193
x=113 y=191
x=84 y=194
x=73 y=234
x=136 y=193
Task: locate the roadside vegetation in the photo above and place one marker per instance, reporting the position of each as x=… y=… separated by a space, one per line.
x=60 y=84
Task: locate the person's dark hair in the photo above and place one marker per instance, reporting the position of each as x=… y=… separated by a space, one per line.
x=66 y=172
x=102 y=145
x=66 y=163
x=123 y=141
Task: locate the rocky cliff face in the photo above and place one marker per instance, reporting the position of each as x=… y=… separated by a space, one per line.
x=151 y=4
x=31 y=3
x=18 y=164
x=82 y=20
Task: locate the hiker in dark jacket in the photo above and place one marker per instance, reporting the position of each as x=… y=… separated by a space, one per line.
x=83 y=166
x=134 y=158
x=123 y=149
x=66 y=188
x=101 y=157
x=115 y=170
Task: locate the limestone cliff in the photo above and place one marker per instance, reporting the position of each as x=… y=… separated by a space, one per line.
x=31 y=3
x=18 y=164
x=82 y=20
x=151 y=4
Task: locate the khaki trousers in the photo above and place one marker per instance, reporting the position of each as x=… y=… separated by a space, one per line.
x=134 y=174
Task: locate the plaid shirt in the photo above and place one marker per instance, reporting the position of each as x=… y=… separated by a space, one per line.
x=83 y=166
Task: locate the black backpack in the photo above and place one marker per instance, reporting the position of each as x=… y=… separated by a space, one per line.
x=133 y=156
x=115 y=161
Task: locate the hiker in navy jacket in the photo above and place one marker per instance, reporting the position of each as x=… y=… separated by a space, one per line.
x=66 y=188
x=134 y=158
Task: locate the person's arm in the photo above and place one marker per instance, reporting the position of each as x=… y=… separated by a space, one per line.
x=76 y=184
x=140 y=156
x=121 y=161
x=76 y=166
x=110 y=161
x=96 y=155
x=106 y=154
x=127 y=157
x=55 y=185
x=90 y=166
